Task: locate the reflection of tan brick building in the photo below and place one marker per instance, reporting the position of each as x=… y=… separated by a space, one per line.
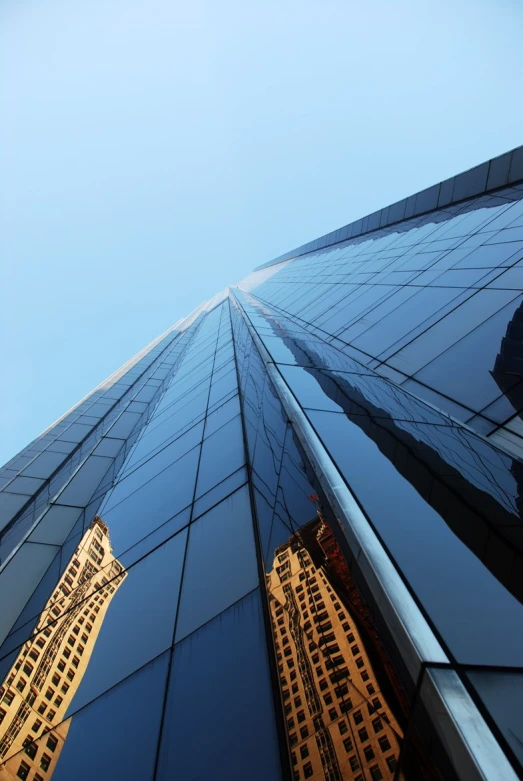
x=338 y=722
x=42 y=682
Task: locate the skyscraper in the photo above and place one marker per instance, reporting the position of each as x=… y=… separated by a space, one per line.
x=312 y=488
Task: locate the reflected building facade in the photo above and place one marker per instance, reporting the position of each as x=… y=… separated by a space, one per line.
x=39 y=688
x=338 y=720
x=313 y=486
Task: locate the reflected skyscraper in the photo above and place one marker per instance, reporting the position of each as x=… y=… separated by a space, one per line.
x=338 y=720
x=40 y=686
x=313 y=485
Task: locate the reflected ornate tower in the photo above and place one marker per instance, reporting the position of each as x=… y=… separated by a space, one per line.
x=339 y=723
x=41 y=684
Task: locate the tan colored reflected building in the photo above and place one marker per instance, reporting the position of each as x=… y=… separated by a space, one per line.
x=45 y=676
x=338 y=722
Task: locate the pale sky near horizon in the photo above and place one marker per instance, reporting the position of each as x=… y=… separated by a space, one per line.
x=152 y=153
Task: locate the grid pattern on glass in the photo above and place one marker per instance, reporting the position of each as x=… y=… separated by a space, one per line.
x=436 y=300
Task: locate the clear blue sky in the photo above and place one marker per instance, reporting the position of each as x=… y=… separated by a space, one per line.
x=154 y=151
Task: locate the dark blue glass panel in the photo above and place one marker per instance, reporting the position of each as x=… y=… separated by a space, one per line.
x=502 y=695
x=220 y=678
x=221 y=562
x=222 y=454
x=126 y=745
x=138 y=620
x=139 y=510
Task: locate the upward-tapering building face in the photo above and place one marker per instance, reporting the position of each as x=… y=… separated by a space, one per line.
x=284 y=541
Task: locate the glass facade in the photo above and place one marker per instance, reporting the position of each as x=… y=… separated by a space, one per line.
x=285 y=540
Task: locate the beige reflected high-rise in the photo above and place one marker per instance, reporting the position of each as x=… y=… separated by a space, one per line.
x=338 y=722
x=45 y=676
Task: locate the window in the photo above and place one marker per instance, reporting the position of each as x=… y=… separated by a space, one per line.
x=333 y=714
x=45 y=761
x=364 y=675
x=23 y=770
x=55 y=680
x=355 y=650
x=358 y=718
x=353 y=762
x=51 y=715
x=70 y=674
x=391 y=762
x=49 y=693
x=377 y=725
x=28 y=668
x=40 y=642
x=364 y=735
x=328 y=699
x=65 y=688
x=346 y=705
x=2 y=714
x=376 y=703
x=307 y=770
x=369 y=753
x=304 y=751
x=342 y=726
x=52 y=742
x=290 y=723
x=339 y=675
x=58 y=701
x=293 y=739
x=297 y=702
x=301 y=716
x=67 y=653
x=71 y=640
x=294 y=688
x=38 y=777
x=21 y=684
x=323 y=685
x=359 y=664
x=9 y=697
x=36 y=726
x=76 y=630
x=375 y=773
x=347 y=744
x=304 y=732
x=42 y=707
x=30 y=748
x=370 y=688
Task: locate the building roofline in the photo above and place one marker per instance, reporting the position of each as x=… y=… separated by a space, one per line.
x=501 y=171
